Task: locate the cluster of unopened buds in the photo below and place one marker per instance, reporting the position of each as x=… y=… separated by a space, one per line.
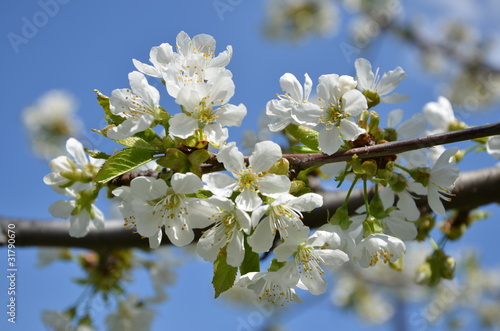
x=246 y=204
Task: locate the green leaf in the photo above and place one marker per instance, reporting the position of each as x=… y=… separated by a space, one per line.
x=175 y=160
x=305 y=135
x=196 y=159
x=122 y=162
x=109 y=116
x=251 y=261
x=224 y=274
x=137 y=142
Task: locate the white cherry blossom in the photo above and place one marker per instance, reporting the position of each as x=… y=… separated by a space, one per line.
x=277 y=287
x=139 y=106
x=378 y=247
x=280 y=110
x=309 y=254
x=338 y=102
x=193 y=61
x=383 y=86
x=130 y=315
x=282 y=215
x=205 y=107
x=229 y=223
x=334 y=237
x=75 y=172
x=408 y=129
x=154 y=203
x=441 y=180
x=440 y=115
x=493 y=146
x=403 y=188
x=81 y=212
x=251 y=181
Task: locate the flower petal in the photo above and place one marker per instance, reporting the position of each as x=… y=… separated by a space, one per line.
x=182 y=126
x=265 y=154
x=273 y=184
x=186 y=183
x=231 y=157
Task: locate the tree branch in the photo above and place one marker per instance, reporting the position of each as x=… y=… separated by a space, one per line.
x=300 y=162
x=472 y=189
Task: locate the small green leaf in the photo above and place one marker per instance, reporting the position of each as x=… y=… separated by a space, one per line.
x=251 y=261
x=224 y=274
x=122 y=162
x=305 y=135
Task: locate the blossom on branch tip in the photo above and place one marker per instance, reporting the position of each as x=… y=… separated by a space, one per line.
x=251 y=181
x=193 y=61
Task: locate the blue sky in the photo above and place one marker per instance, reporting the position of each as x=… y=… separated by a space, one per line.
x=90 y=45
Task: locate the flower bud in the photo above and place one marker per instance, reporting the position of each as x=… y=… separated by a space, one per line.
x=374 y=122
x=425 y=224
x=369 y=167
x=372 y=98
x=423 y=274
x=448 y=268
x=390 y=134
x=281 y=167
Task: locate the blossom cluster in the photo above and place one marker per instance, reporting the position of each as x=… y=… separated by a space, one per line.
x=252 y=201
